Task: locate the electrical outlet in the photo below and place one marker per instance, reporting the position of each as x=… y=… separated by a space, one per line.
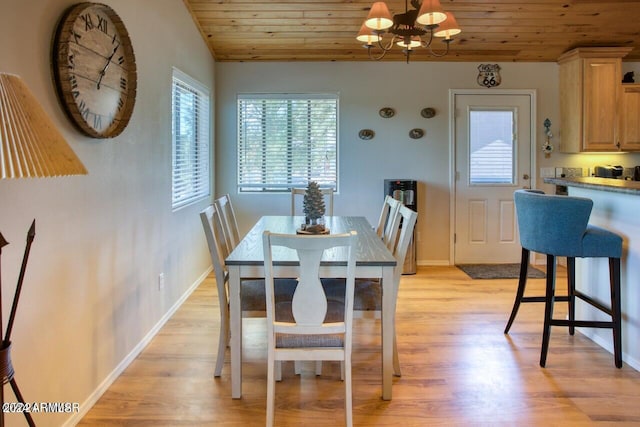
x=559 y=172
x=161 y=281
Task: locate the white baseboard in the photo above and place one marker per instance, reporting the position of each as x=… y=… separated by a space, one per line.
x=110 y=379
x=434 y=262
x=608 y=345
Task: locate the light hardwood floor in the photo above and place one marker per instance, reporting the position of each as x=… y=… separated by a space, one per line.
x=458 y=369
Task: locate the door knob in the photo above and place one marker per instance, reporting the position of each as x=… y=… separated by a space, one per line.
x=525 y=176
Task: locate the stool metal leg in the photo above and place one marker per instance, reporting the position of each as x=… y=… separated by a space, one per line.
x=571 y=298
x=616 y=317
x=522 y=282
x=548 y=307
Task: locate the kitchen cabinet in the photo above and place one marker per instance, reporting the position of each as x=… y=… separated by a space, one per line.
x=630 y=117
x=590 y=98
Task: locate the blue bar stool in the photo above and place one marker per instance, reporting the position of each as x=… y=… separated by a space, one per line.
x=559 y=226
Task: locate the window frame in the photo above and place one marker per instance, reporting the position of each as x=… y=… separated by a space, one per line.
x=199 y=170
x=288 y=181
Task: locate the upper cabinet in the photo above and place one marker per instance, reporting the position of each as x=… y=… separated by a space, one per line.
x=630 y=117
x=590 y=98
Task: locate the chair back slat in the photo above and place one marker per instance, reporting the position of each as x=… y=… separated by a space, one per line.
x=228 y=221
x=409 y=218
x=309 y=304
x=217 y=250
x=388 y=222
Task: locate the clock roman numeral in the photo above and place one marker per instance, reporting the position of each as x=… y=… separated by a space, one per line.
x=123 y=83
x=84 y=110
x=102 y=24
x=71 y=60
x=120 y=60
x=97 y=121
x=120 y=103
x=74 y=86
x=88 y=22
x=76 y=36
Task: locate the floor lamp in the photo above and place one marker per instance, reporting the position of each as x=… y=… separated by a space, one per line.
x=30 y=146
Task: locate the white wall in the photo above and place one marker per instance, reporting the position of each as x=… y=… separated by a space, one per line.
x=90 y=294
x=364 y=88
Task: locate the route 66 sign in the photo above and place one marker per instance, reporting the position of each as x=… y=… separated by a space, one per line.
x=489 y=75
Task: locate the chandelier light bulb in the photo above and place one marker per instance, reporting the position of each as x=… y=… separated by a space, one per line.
x=366 y=35
x=412 y=43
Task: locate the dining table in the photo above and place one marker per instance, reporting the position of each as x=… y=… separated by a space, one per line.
x=373 y=260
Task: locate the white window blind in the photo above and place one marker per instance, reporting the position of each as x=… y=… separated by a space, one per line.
x=285 y=141
x=491 y=147
x=191 y=135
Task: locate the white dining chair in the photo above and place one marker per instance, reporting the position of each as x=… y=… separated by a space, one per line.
x=228 y=220
x=326 y=192
x=252 y=291
x=388 y=222
x=310 y=326
x=368 y=292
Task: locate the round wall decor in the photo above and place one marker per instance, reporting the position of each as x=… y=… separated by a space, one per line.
x=428 y=112
x=387 y=112
x=416 y=133
x=366 y=134
x=94 y=69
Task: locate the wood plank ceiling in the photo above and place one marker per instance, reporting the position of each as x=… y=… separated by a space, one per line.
x=492 y=30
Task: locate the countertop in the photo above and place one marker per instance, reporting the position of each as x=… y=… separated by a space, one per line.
x=604 y=184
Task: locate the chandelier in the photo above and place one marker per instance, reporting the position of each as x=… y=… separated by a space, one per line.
x=413 y=28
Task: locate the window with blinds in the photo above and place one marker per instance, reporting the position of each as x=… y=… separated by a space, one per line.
x=492 y=146
x=285 y=141
x=191 y=135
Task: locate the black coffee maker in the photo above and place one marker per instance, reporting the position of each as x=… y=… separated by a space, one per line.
x=636 y=173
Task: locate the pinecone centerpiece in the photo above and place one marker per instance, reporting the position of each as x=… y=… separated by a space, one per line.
x=313 y=207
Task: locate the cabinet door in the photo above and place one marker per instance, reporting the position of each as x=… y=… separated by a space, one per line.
x=630 y=118
x=601 y=85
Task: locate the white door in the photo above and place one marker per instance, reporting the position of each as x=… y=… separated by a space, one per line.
x=493 y=137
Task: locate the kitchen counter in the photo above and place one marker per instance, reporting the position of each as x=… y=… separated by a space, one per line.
x=603 y=184
x=616 y=208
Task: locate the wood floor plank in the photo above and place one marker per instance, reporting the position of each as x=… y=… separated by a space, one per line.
x=458 y=368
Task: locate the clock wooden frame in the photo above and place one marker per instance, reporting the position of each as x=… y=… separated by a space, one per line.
x=94 y=69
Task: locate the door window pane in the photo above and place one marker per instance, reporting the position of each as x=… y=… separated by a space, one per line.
x=491 y=146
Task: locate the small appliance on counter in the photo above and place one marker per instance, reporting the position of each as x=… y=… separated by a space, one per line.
x=636 y=173
x=608 y=171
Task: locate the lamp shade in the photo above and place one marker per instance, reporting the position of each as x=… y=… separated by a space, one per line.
x=30 y=144
x=379 y=17
x=412 y=43
x=431 y=13
x=448 y=28
x=366 y=35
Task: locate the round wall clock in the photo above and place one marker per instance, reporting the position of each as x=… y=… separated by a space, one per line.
x=94 y=69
